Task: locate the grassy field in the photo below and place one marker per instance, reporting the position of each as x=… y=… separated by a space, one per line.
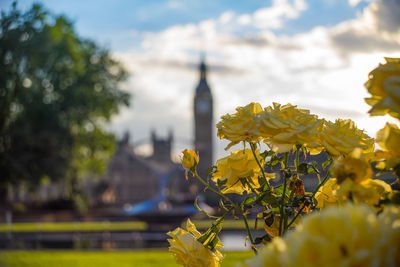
x=106 y=259
x=73 y=227
x=104 y=226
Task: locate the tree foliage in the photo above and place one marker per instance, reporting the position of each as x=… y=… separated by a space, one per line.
x=56 y=91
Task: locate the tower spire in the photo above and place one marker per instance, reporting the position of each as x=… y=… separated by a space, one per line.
x=203 y=87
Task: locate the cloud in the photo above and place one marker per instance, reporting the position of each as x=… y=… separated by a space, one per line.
x=387 y=15
x=322 y=69
x=376 y=29
x=274 y=16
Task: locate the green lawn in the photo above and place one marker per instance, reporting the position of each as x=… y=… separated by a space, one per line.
x=73 y=227
x=104 y=259
x=104 y=226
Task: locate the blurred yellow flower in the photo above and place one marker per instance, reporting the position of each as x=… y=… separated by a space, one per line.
x=384 y=86
x=189 y=159
x=270 y=254
x=283 y=127
x=354 y=167
x=351 y=235
x=388 y=139
x=238 y=170
x=326 y=195
x=240 y=126
x=342 y=137
x=369 y=192
x=188 y=251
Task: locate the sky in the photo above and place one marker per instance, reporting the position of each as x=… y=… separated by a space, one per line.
x=315 y=54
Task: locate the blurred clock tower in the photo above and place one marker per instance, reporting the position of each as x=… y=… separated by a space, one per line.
x=203 y=122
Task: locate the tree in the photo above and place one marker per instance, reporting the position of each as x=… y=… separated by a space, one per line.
x=56 y=91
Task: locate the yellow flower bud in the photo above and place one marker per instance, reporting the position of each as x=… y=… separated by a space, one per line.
x=189 y=159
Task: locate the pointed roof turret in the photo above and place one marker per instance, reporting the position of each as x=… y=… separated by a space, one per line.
x=203 y=85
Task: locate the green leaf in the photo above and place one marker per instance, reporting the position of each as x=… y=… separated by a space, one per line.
x=263 y=239
x=269 y=199
x=303 y=168
x=275 y=160
x=211 y=170
x=267 y=153
x=248 y=202
x=221 y=182
x=279 y=190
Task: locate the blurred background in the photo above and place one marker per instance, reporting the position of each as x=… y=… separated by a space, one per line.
x=98 y=98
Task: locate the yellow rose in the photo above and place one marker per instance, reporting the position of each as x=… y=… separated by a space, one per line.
x=326 y=195
x=388 y=139
x=240 y=126
x=369 y=191
x=189 y=159
x=239 y=169
x=283 y=127
x=351 y=235
x=354 y=167
x=384 y=87
x=188 y=251
x=342 y=137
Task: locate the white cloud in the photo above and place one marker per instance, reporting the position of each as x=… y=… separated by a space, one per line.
x=274 y=16
x=322 y=69
x=354 y=2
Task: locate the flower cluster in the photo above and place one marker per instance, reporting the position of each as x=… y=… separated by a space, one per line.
x=384 y=87
x=336 y=224
x=352 y=181
x=339 y=236
x=188 y=251
x=284 y=127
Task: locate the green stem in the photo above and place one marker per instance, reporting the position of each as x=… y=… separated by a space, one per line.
x=246 y=223
x=312 y=196
x=282 y=210
x=212 y=189
x=253 y=149
x=233 y=205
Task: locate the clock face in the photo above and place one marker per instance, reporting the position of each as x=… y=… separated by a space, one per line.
x=203 y=106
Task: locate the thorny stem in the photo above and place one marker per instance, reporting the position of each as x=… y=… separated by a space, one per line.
x=253 y=149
